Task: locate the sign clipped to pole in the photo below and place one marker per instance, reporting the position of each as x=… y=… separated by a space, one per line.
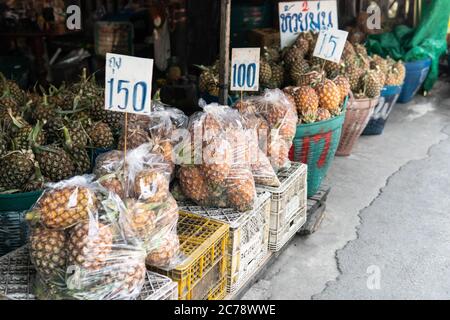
x=245 y=69
x=302 y=16
x=128 y=84
x=330 y=45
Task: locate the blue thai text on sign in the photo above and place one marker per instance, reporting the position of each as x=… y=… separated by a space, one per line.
x=301 y=16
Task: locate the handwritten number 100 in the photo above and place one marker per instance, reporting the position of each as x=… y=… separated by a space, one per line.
x=244 y=75
x=122 y=86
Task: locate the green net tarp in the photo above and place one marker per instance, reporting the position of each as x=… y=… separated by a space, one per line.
x=427 y=40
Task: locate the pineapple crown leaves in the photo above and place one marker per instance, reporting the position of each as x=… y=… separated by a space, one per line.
x=18 y=122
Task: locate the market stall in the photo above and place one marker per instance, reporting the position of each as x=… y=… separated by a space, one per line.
x=123 y=184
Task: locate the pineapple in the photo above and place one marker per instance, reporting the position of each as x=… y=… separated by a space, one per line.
x=278 y=152
x=17 y=94
x=48 y=253
x=135 y=137
x=74 y=135
x=100 y=135
x=379 y=62
x=241 y=190
x=89 y=245
x=265 y=72
x=293 y=54
x=193 y=184
x=298 y=68
x=108 y=162
x=81 y=160
x=16 y=167
x=168 y=214
x=125 y=274
x=167 y=249
x=7 y=100
x=373 y=83
x=114 y=120
x=323 y=114
x=302 y=43
x=151 y=185
x=54 y=162
x=206 y=79
x=332 y=69
x=277 y=79
x=343 y=85
x=25 y=134
x=311 y=78
x=329 y=96
x=65 y=207
x=140 y=219
x=307 y=102
x=113 y=184
x=36 y=182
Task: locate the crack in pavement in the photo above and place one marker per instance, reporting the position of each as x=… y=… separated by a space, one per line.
x=380 y=193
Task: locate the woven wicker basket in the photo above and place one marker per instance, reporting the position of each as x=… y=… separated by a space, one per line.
x=356 y=118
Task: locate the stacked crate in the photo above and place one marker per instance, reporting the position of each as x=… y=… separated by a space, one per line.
x=249 y=236
x=288 y=205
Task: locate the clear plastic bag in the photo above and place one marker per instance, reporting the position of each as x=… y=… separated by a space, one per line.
x=275 y=117
x=216 y=170
x=81 y=250
x=148 y=208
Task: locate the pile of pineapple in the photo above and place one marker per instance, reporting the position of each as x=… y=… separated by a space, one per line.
x=48 y=136
x=45 y=137
x=208 y=81
x=317 y=87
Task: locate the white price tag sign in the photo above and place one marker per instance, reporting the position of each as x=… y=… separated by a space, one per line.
x=128 y=84
x=301 y=16
x=245 y=69
x=330 y=45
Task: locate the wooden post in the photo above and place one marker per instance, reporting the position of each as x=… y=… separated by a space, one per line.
x=224 y=70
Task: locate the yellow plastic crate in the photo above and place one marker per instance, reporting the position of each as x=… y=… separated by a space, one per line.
x=202 y=274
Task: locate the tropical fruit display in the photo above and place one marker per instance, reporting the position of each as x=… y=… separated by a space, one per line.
x=78 y=243
x=214 y=169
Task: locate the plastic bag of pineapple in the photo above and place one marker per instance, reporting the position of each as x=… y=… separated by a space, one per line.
x=214 y=158
x=275 y=116
x=159 y=127
x=81 y=244
x=256 y=133
x=151 y=211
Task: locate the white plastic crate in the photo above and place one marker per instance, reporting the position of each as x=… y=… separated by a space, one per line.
x=278 y=239
x=17 y=276
x=288 y=204
x=249 y=236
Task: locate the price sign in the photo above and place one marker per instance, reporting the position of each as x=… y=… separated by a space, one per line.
x=128 y=83
x=301 y=16
x=330 y=45
x=245 y=69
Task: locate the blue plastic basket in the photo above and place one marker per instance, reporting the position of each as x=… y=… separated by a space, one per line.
x=388 y=98
x=416 y=73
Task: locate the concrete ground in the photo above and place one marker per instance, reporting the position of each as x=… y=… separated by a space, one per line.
x=386 y=234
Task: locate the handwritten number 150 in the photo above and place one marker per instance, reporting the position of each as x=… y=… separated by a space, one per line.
x=122 y=87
